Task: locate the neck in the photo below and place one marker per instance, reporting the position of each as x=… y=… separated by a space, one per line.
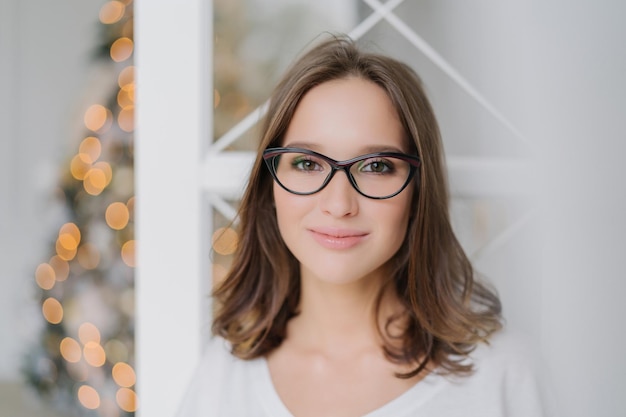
x=338 y=317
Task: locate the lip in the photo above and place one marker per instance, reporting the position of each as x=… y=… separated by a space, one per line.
x=337 y=238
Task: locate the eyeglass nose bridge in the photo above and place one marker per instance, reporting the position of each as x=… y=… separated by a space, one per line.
x=338 y=166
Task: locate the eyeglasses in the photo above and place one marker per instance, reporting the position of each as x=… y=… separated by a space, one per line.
x=377 y=175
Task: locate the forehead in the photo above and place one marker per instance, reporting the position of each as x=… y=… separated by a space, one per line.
x=344 y=118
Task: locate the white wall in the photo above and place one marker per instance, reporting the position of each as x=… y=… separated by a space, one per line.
x=578 y=96
x=44 y=59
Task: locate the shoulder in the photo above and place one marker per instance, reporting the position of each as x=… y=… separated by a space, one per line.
x=507 y=381
x=218 y=379
x=513 y=360
x=506 y=351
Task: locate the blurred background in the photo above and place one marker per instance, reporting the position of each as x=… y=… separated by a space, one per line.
x=530 y=97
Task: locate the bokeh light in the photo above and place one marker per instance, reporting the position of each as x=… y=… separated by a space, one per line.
x=123 y=374
x=88 y=397
x=79 y=167
x=95 y=180
x=88 y=332
x=111 y=12
x=106 y=169
x=94 y=354
x=219 y=273
x=128 y=253
x=61 y=268
x=96 y=117
x=121 y=49
x=126 y=399
x=127 y=76
x=130 y=204
x=69 y=236
x=45 y=276
x=225 y=241
x=216 y=98
x=126 y=96
x=117 y=215
x=63 y=253
x=126 y=119
x=70 y=350
x=90 y=149
x=52 y=310
x=88 y=256
x=70 y=229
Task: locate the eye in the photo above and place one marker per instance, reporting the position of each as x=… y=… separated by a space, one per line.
x=306 y=163
x=377 y=166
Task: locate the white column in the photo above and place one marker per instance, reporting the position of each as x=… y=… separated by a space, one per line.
x=173 y=56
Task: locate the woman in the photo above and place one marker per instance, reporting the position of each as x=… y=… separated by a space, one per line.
x=349 y=294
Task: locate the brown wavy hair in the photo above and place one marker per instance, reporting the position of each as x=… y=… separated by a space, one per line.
x=446 y=311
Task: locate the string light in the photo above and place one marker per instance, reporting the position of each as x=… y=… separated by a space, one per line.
x=121 y=49
x=52 y=310
x=94 y=182
x=125 y=97
x=61 y=268
x=111 y=12
x=126 y=119
x=127 y=76
x=123 y=375
x=88 y=256
x=97 y=178
x=216 y=98
x=94 y=354
x=128 y=253
x=130 y=204
x=70 y=350
x=79 y=167
x=88 y=397
x=45 y=276
x=219 y=273
x=88 y=332
x=96 y=117
x=117 y=215
x=89 y=150
x=126 y=399
x=105 y=167
x=225 y=241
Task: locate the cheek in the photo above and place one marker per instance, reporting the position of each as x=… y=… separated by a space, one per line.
x=398 y=219
x=288 y=209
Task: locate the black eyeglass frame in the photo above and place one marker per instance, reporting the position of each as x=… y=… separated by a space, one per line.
x=270 y=153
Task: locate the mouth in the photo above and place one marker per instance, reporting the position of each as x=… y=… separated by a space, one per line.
x=334 y=238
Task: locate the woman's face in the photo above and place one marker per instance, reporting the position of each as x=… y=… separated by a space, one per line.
x=338 y=235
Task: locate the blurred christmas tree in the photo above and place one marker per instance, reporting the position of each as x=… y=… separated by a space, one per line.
x=83 y=362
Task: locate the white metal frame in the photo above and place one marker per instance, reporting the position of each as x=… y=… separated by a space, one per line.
x=179 y=171
x=173 y=59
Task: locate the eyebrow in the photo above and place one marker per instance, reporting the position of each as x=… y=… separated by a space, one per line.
x=362 y=151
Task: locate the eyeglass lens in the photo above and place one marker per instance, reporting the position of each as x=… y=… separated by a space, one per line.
x=377 y=176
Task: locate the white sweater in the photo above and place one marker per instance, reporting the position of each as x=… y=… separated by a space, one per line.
x=505 y=384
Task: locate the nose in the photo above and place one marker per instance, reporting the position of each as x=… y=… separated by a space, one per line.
x=339 y=198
